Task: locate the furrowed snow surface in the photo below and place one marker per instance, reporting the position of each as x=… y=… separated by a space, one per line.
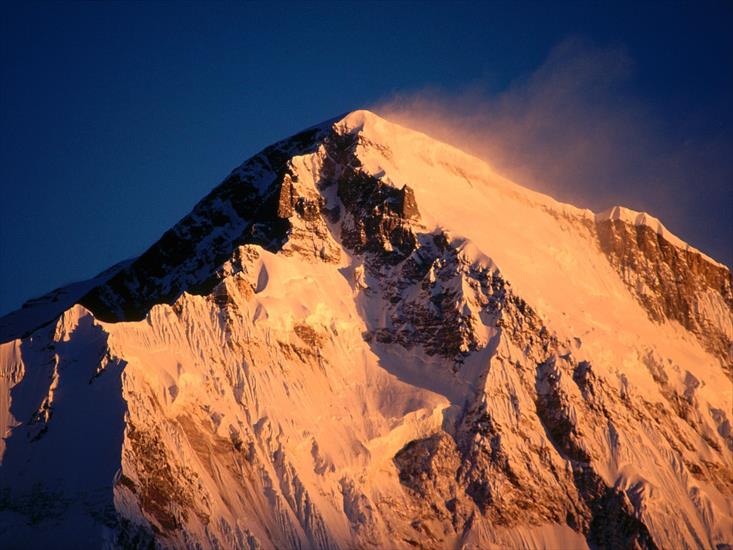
x=365 y=338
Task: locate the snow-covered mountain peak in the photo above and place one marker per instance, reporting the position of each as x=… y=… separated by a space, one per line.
x=359 y=119
x=367 y=338
x=384 y=140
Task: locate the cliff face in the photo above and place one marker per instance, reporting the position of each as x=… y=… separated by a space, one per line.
x=673 y=283
x=364 y=338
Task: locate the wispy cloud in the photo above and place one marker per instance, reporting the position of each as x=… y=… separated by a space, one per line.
x=575 y=129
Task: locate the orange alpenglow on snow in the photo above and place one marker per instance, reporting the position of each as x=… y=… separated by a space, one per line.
x=367 y=338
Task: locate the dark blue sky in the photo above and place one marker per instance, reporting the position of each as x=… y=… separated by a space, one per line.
x=117 y=118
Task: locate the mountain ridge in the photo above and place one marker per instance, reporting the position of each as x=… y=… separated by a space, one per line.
x=300 y=140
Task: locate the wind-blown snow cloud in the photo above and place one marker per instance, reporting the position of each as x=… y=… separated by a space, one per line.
x=574 y=129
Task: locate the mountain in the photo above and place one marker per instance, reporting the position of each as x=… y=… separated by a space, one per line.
x=365 y=338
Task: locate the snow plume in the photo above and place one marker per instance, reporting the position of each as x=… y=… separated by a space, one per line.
x=574 y=129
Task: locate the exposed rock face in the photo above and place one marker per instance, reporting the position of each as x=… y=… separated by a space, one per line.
x=672 y=283
x=436 y=298
x=484 y=471
x=322 y=355
x=252 y=205
x=376 y=216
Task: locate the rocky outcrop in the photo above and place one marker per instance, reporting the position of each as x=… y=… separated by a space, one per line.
x=376 y=216
x=673 y=283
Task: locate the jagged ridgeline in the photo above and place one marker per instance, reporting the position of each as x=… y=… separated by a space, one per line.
x=365 y=338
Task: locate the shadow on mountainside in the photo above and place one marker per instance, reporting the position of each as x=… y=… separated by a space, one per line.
x=59 y=466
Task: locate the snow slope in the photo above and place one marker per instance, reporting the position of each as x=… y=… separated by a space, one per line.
x=365 y=338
